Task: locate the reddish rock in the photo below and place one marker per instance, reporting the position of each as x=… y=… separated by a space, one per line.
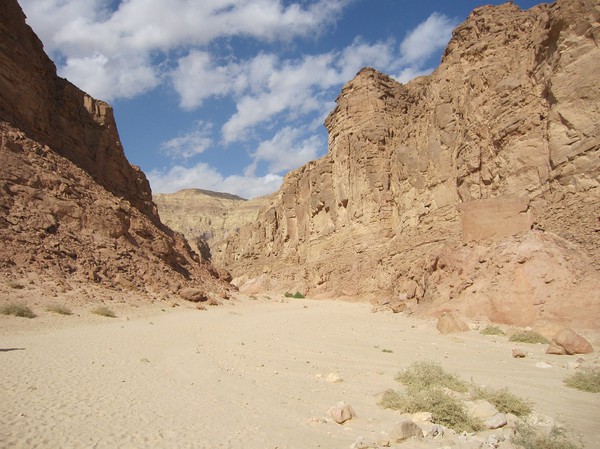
x=73 y=210
x=193 y=294
x=519 y=353
x=504 y=132
x=449 y=323
x=569 y=342
x=342 y=412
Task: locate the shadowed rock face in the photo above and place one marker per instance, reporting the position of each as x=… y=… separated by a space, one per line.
x=72 y=208
x=509 y=121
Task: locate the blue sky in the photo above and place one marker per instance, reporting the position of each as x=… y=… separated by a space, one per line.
x=229 y=95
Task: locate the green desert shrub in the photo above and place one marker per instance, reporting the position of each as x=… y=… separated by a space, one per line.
x=296 y=295
x=425 y=391
x=529 y=437
x=60 y=309
x=492 y=330
x=104 y=311
x=445 y=409
x=17 y=309
x=528 y=337
x=503 y=400
x=585 y=380
x=423 y=374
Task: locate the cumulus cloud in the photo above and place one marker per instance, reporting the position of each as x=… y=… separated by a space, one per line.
x=420 y=44
x=125 y=39
x=276 y=103
x=427 y=38
x=206 y=177
x=288 y=149
x=190 y=144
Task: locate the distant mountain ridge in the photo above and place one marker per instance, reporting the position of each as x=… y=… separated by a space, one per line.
x=205 y=217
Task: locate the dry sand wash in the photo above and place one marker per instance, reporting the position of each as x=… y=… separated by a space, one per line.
x=243 y=375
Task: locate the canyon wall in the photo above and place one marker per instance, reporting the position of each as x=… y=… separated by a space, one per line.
x=508 y=123
x=204 y=217
x=73 y=211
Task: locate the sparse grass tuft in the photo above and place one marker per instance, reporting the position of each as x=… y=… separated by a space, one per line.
x=585 y=380
x=492 y=330
x=60 y=309
x=528 y=337
x=529 y=437
x=104 y=311
x=296 y=295
x=389 y=351
x=503 y=400
x=16 y=309
x=422 y=375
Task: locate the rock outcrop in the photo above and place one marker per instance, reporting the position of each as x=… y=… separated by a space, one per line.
x=205 y=217
x=499 y=147
x=72 y=209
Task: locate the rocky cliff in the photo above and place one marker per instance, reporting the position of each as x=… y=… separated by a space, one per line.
x=73 y=210
x=498 y=148
x=205 y=217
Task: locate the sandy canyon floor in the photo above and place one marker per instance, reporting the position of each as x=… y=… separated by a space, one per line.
x=250 y=374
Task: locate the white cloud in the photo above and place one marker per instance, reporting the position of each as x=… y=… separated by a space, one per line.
x=427 y=38
x=77 y=32
x=111 y=78
x=287 y=150
x=190 y=144
x=205 y=177
x=114 y=53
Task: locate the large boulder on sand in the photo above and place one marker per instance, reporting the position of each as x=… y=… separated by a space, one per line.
x=448 y=323
x=569 y=342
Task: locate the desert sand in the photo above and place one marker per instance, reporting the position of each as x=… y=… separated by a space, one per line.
x=250 y=374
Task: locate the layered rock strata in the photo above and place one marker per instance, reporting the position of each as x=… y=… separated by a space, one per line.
x=205 y=217
x=509 y=121
x=72 y=209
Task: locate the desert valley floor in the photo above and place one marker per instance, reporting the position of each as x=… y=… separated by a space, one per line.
x=249 y=374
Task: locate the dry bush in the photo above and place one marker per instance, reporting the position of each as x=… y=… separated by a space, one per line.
x=529 y=437
x=528 y=337
x=503 y=400
x=60 y=309
x=17 y=309
x=492 y=330
x=585 y=380
x=104 y=311
x=425 y=384
x=421 y=375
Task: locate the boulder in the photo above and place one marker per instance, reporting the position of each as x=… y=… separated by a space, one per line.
x=448 y=323
x=518 y=353
x=405 y=429
x=193 y=294
x=341 y=413
x=496 y=421
x=569 y=342
x=481 y=409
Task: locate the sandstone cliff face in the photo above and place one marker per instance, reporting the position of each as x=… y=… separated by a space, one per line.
x=72 y=209
x=54 y=112
x=205 y=217
x=508 y=122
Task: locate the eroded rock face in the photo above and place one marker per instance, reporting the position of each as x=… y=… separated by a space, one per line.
x=205 y=217
x=72 y=209
x=510 y=113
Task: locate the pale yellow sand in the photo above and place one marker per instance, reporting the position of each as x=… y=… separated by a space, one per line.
x=244 y=375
